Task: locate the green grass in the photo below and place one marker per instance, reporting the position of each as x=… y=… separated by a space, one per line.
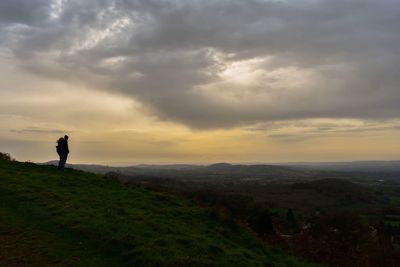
x=49 y=218
x=395 y=200
x=392 y=220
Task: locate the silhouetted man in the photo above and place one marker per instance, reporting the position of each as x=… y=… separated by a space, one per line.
x=63 y=151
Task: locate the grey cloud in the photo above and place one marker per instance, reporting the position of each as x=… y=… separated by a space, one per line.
x=310 y=128
x=161 y=52
x=290 y=138
x=38 y=130
x=23 y=11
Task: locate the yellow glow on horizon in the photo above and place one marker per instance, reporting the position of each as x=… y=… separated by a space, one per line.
x=111 y=128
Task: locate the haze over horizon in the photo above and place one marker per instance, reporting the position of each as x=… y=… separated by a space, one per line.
x=174 y=81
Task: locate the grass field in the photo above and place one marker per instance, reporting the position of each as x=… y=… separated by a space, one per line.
x=74 y=218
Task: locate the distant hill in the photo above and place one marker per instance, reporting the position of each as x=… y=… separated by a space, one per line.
x=355 y=166
x=218 y=171
x=75 y=218
x=359 y=171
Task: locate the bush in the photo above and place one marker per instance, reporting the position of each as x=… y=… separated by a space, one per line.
x=5 y=156
x=338 y=238
x=222 y=214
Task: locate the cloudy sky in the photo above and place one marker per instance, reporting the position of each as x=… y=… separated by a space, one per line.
x=199 y=81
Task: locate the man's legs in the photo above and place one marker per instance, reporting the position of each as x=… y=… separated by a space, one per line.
x=63 y=160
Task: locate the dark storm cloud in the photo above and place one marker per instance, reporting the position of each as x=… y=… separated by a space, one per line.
x=164 y=53
x=23 y=11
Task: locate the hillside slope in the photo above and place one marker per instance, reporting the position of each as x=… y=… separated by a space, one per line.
x=48 y=218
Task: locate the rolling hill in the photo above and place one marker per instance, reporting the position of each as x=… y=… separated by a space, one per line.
x=74 y=218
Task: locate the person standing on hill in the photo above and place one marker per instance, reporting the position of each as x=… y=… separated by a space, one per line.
x=62 y=151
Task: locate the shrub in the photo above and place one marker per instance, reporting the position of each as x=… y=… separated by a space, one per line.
x=5 y=156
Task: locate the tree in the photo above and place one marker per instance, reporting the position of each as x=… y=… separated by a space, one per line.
x=5 y=156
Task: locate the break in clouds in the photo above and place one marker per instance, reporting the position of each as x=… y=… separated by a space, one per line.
x=218 y=63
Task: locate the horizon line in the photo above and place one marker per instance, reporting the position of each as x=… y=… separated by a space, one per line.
x=123 y=164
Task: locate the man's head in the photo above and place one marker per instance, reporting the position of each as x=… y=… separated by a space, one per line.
x=66 y=137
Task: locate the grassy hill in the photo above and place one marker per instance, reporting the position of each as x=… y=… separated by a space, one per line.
x=48 y=218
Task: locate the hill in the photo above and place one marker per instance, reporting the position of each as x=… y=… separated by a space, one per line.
x=218 y=171
x=48 y=218
x=355 y=166
x=361 y=172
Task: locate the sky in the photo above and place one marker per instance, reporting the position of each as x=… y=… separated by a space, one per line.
x=200 y=81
